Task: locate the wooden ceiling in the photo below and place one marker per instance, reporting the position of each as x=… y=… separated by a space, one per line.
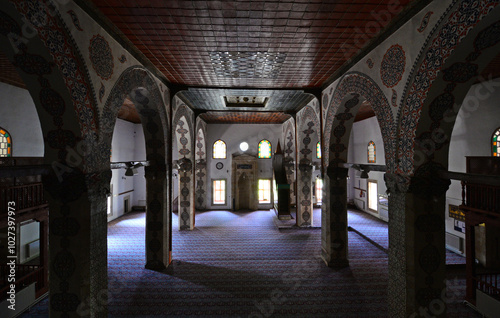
x=244 y=117
x=276 y=49
x=128 y=112
x=259 y=44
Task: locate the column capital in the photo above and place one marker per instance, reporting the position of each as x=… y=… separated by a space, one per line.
x=98 y=184
x=185 y=165
x=397 y=183
x=157 y=170
x=426 y=182
x=337 y=172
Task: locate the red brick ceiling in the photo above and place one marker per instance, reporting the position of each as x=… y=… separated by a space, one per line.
x=128 y=112
x=263 y=44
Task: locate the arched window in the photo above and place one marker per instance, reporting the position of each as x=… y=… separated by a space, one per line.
x=496 y=143
x=5 y=143
x=264 y=149
x=219 y=150
x=318 y=150
x=372 y=155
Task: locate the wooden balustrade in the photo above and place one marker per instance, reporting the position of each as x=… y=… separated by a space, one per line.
x=481 y=198
x=26 y=197
x=488 y=284
x=25 y=275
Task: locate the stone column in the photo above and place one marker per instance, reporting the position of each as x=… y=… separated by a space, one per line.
x=417 y=254
x=304 y=195
x=44 y=249
x=78 y=246
x=186 y=195
x=334 y=244
x=201 y=186
x=98 y=192
x=158 y=218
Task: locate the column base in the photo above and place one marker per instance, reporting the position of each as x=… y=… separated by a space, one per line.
x=334 y=263
x=155 y=266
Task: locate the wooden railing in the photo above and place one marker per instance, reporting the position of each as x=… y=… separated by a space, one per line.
x=25 y=275
x=488 y=284
x=481 y=198
x=26 y=197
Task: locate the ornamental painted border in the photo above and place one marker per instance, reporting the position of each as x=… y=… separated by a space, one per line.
x=362 y=84
x=440 y=44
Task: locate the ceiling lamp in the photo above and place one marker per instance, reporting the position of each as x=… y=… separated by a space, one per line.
x=364 y=174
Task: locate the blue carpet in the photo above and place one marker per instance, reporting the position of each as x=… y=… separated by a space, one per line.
x=240 y=265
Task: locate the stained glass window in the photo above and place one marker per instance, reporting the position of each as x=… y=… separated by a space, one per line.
x=318 y=150
x=5 y=144
x=219 y=150
x=372 y=155
x=219 y=192
x=264 y=149
x=496 y=143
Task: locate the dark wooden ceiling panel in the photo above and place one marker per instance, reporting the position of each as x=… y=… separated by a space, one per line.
x=213 y=99
x=265 y=44
x=244 y=117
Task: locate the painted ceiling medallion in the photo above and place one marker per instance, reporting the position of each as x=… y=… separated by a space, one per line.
x=101 y=57
x=247 y=64
x=393 y=66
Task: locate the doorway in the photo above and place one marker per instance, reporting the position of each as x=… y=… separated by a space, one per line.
x=244 y=192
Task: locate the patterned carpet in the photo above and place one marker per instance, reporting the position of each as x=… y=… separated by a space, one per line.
x=241 y=265
x=378 y=231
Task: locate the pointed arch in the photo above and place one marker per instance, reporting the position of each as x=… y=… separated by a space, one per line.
x=459 y=48
x=428 y=71
x=340 y=113
x=56 y=77
x=352 y=90
x=138 y=84
x=183 y=136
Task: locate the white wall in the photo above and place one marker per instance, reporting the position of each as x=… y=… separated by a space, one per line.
x=362 y=133
x=19 y=117
x=127 y=145
x=233 y=135
x=471 y=136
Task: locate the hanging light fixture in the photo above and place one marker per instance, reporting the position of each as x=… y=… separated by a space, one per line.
x=364 y=174
x=129 y=172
